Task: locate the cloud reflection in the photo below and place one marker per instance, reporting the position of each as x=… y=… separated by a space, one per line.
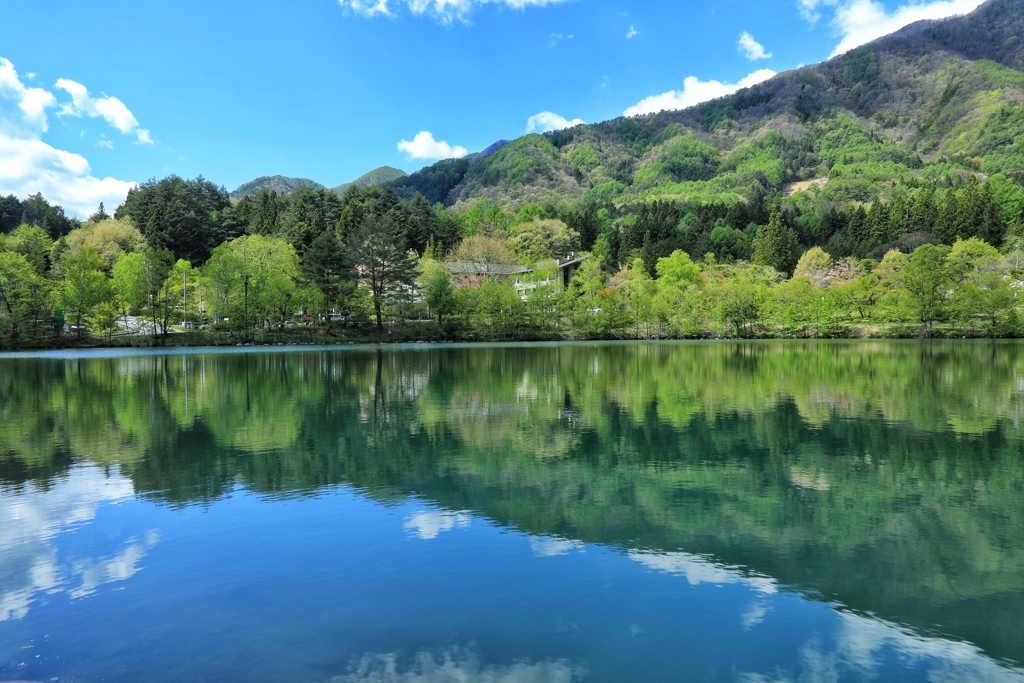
x=860 y=644
x=456 y=666
x=427 y=524
x=551 y=546
x=698 y=569
x=30 y=522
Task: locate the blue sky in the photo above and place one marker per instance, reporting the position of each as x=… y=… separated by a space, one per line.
x=97 y=94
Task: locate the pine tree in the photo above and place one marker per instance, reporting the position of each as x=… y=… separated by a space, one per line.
x=946 y=223
x=776 y=244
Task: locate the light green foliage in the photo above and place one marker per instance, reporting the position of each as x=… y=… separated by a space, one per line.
x=181 y=288
x=814 y=264
x=437 y=290
x=268 y=264
x=926 y=279
x=483 y=249
x=583 y=157
x=638 y=290
x=85 y=286
x=25 y=299
x=109 y=238
x=34 y=244
x=678 y=270
x=981 y=291
x=542 y=239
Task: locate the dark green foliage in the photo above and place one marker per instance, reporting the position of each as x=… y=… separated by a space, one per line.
x=182 y=216
x=278 y=184
x=378 y=176
x=377 y=249
x=37 y=211
x=433 y=182
x=776 y=245
x=860 y=65
x=10 y=213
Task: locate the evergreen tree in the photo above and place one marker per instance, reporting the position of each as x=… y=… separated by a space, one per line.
x=776 y=245
x=377 y=248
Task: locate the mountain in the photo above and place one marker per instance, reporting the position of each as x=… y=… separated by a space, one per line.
x=437 y=181
x=378 y=176
x=277 y=183
x=933 y=98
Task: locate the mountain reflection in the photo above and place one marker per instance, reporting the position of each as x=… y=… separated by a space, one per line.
x=884 y=476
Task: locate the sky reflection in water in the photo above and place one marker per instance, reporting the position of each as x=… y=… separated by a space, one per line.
x=325 y=517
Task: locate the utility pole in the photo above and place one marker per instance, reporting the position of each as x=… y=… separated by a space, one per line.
x=245 y=316
x=184 y=298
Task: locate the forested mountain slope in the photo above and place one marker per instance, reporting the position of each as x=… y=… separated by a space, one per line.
x=277 y=183
x=931 y=98
x=378 y=176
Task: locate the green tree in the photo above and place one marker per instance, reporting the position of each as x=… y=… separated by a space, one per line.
x=34 y=244
x=438 y=290
x=326 y=265
x=926 y=279
x=677 y=270
x=776 y=245
x=814 y=264
x=85 y=285
x=377 y=248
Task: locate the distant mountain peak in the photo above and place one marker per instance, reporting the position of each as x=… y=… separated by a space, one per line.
x=274 y=183
x=378 y=176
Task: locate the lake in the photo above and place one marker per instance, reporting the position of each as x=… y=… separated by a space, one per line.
x=719 y=511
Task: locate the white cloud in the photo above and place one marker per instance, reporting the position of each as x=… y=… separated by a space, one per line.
x=556 y=39
x=424 y=146
x=29 y=165
x=751 y=49
x=547 y=121
x=631 y=33
x=809 y=9
x=694 y=92
x=110 y=109
x=22 y=109
x=107 y=144
x=861 y=21
x=445 y=11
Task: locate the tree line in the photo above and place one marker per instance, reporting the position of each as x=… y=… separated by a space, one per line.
x=937 y=258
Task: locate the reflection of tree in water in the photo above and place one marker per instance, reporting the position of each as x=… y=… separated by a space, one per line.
x=885 y=475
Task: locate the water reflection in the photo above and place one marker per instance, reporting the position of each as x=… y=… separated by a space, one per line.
x=456 y=665
x=860 y=647
x=883 y=477
x=30 y=521
x=427 y=524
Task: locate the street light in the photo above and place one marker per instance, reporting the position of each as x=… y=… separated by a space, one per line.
x=245 y=315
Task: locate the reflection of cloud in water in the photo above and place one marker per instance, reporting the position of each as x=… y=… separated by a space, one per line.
x=120 y=567
x=698 y=569
x=550 y=546
x=429 y=523
x=860 y=644
x=754 y=614
x=456 y=666
x=30 y=520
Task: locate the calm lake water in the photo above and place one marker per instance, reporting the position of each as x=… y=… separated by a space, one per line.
x=757 y=512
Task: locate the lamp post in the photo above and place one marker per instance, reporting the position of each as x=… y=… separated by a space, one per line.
x=184 y=298
x=245 y=315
